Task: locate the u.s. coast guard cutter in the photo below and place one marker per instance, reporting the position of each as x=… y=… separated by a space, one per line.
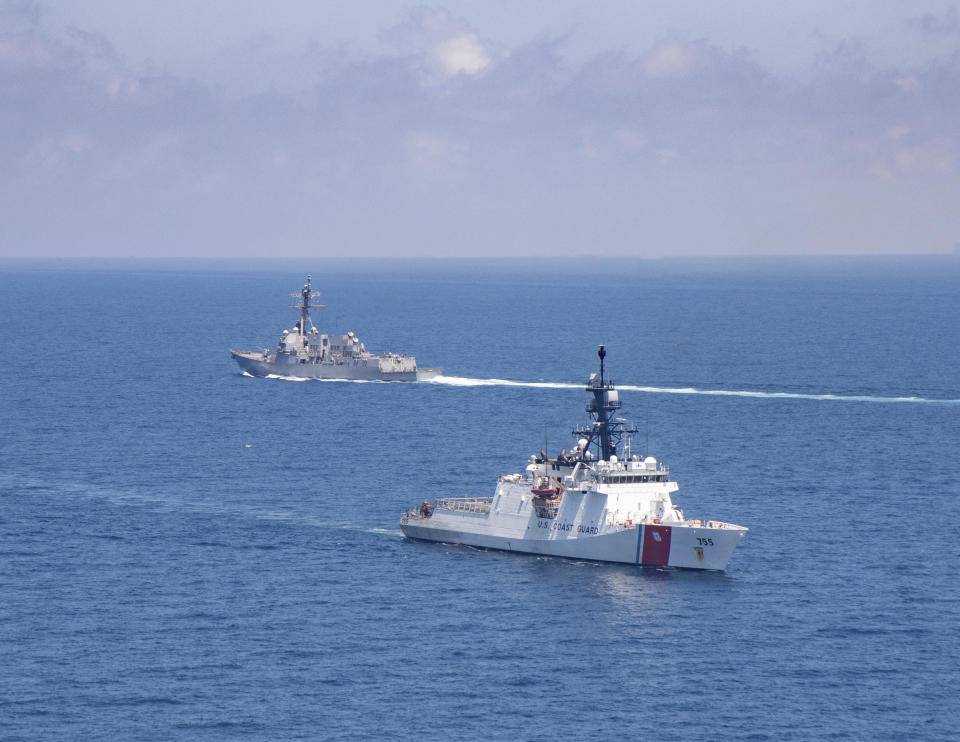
x=598 y=502
x=309 y=354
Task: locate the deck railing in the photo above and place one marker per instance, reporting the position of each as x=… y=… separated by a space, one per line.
x=477 y=505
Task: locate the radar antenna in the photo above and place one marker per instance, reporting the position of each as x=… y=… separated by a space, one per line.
x=606 y=433
x=306 y=294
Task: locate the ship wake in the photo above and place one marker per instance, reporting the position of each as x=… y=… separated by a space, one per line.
x=466 y=381
x=823 y=397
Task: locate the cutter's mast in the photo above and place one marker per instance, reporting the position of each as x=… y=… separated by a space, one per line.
x=606 y=432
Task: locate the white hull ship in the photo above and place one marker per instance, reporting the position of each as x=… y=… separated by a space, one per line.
x=310 y=354
x=596 y=503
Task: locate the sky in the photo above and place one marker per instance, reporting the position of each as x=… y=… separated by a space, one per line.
x=641 y=129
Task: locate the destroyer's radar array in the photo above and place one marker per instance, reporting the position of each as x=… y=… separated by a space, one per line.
x=306 y=295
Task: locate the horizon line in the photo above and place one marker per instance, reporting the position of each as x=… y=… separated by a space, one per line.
x=954 y=254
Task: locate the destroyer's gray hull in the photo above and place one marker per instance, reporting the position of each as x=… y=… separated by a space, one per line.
x=255 y=365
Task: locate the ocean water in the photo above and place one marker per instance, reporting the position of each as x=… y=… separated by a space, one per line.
x=187 y=553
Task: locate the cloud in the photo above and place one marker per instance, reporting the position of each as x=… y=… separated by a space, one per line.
x=673 y=60
x=907 y=83
x=20 y=14
x=447 y=45
x=630 y=140
x=120 y=86
x=928 y=158
x=437 y=154
x=463 y=54
x=931 y=25
x=24 y=52
x=62 y=152
x=446 y=132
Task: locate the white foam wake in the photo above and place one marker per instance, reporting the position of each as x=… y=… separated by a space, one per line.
x=282 y=377
x=286 y=378
x=465 y=381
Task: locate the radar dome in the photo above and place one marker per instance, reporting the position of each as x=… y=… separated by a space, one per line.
x=582 y=443
x=613 y=458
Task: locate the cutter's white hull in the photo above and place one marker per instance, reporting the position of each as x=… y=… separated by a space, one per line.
x=584 y=528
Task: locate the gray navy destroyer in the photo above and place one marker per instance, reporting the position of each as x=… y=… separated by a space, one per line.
x=304 y=352
x=598 y=502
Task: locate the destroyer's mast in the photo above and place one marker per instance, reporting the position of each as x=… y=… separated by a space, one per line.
x=305 y=295
x=605 y=432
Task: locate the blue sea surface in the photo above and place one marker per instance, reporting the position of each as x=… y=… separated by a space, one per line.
x=188 y=553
